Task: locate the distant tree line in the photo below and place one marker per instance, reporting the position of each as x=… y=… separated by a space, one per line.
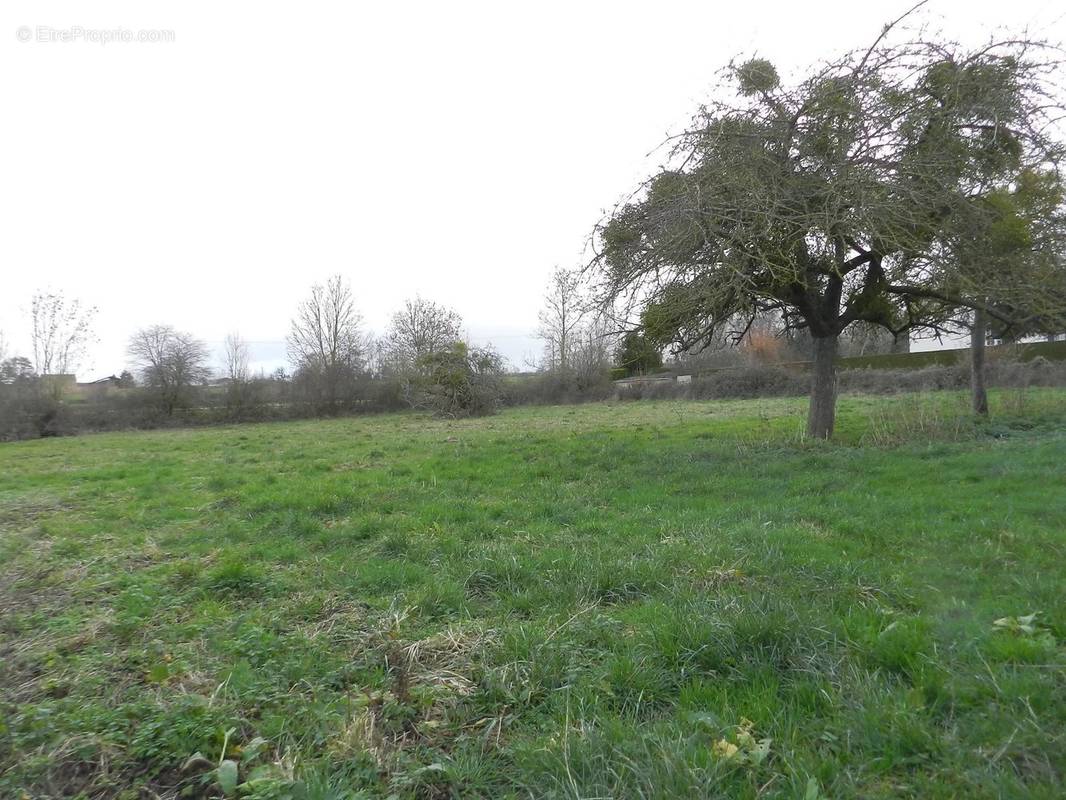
x=335 y=367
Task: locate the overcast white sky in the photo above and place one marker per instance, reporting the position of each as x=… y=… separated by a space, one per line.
x=454 y=149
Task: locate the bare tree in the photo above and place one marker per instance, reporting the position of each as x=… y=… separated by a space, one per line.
x=14 y=369
x=591 y=347
x=560 y=319
x=419 y=329
x=864 y=339
x=239 y=388
x=325 y=343
x=170 y=362
x=237 y=357
x=61 y=332
x=578 y=339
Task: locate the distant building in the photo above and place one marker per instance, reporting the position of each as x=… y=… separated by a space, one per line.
x=101 y=387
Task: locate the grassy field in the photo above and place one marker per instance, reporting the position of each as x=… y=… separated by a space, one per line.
x=614 y=600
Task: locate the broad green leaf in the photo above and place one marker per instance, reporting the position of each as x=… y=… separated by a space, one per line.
x=227 y=776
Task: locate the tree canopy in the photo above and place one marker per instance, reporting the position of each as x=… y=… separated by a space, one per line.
x=170 y=362
x=845 y=197
x=419 y=329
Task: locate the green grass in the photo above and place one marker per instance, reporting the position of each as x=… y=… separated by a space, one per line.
x=597 y=601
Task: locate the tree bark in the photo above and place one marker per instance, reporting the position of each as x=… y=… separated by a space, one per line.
x=821 y=414
x=901 y=343
x=977 y=363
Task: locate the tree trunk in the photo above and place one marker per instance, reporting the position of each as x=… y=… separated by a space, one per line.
x=977 y=363
x=822 y=412
x=901 y=343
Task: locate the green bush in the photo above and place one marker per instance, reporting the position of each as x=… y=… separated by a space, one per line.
x=461 y=381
